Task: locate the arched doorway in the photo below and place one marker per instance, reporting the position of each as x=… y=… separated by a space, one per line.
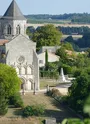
x=32 y=84
x=22 y=84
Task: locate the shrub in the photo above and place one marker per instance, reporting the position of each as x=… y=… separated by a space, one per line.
x=64 y=100
x=16 y=100
x=34 y=110
x=3 y=106
x=55 y=93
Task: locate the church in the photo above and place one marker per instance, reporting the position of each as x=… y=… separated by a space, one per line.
x=16 y=49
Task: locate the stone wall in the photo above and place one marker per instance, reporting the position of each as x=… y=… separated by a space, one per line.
x=36 y=70
x=4 y=23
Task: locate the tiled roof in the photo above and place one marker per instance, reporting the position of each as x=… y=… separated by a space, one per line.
x=3 y=41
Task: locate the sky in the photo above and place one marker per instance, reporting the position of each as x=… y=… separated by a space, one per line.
x=48 y=6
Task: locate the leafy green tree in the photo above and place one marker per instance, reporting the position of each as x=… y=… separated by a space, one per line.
x=67 y=46
x=84 y=41
x=3 y=100
x=10 y=80
x=69 y=39
x=78 y=92
x=30 y=30
x=47 y=35
x=88 y=52
x=46 y=60
x=62 y=53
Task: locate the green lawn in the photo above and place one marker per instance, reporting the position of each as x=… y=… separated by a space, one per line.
x=53 y=110
x=43 y=84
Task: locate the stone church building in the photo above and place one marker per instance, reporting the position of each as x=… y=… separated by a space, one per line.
x=16 y=49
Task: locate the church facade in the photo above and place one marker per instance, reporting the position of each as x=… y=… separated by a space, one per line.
x=17 y=50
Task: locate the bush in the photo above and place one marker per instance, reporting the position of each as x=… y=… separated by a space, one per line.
x=16 y=100
x=55 y=93
x=64 y=100
x=3 y=106
x=34 y=110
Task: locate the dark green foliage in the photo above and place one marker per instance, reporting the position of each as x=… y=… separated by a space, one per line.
x=67 y=69
x=30 y=30
x=46 y=60
x=61 y=52
x=49 y=74
x=86 y=108
x=74 y=30
x=79 y=91
x=84 y=41
x=34 y=110
x=47 y=35
x=88 y=52
x=74 y=17
x=3 y=105
x=16 y=100
x=3 y=100
x=46 y=57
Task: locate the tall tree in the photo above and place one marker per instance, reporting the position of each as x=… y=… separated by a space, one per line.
x=10 y=81
x=47 y=35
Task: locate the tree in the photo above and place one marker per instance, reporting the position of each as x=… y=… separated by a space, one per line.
x=9 y=80
x=61 y=52
x=79 y=91
x=47 y=35
x=46 y=57
x=30 y=30
x=3 y=100
x=67 y=46
x=46 y=60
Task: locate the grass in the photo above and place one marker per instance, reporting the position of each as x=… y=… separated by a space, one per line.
x=43 y=84
x=53 y=110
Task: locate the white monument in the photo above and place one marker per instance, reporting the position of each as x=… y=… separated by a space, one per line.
x=62 y=76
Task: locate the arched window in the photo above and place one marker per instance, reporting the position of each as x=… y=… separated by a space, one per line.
x=18 y=30
x=9 y=29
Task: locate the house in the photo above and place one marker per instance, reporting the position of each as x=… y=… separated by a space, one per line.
x=51 y=58
x=51 y=49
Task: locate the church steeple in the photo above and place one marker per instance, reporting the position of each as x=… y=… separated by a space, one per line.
x=13 y=22
x=13 y=12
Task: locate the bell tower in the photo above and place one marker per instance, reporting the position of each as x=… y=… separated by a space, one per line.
x=12 y=22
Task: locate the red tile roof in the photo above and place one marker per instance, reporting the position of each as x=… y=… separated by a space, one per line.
x=3 y=41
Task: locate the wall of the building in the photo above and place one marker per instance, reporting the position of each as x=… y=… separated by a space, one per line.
x=51 y=58
x=36 y=70
x=4 y=23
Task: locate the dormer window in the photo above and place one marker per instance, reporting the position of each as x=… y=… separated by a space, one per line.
x=18 y=30
x=9 y=29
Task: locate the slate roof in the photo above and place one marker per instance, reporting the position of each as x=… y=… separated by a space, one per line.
x=13 y=12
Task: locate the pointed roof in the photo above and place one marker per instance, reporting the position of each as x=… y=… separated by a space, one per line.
x=13 y=12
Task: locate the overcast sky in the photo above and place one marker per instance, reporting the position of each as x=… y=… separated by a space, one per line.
x=48 y=6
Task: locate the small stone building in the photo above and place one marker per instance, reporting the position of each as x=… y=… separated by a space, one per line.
x=16 y=49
